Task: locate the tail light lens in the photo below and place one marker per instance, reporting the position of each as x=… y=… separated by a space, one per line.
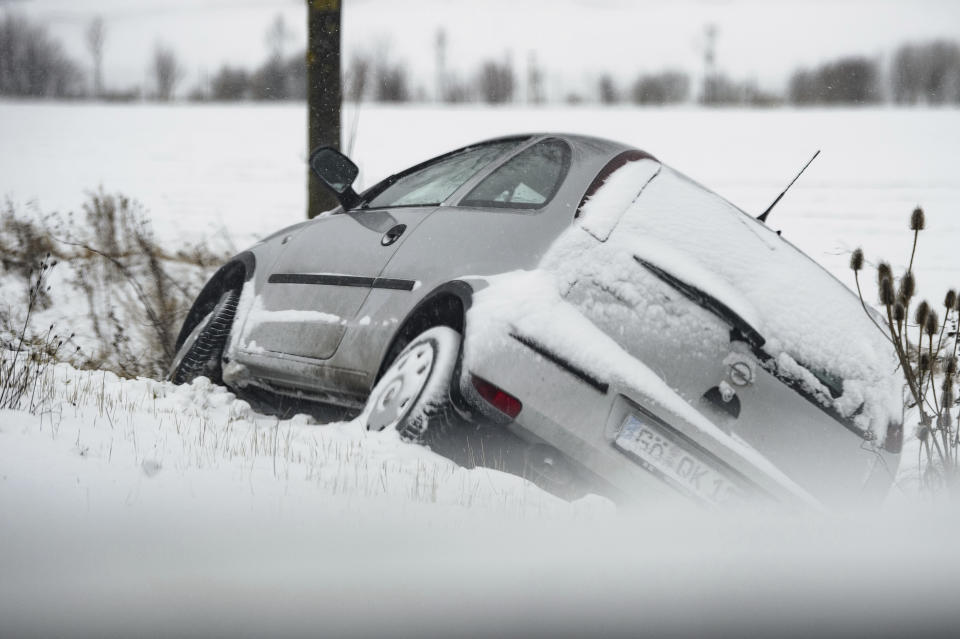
x=497 y=397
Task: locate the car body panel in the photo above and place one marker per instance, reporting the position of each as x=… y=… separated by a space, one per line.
x=308 y=335
x=301 y=316
x=475 y=241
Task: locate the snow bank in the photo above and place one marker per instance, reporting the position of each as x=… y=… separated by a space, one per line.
x=134 y=508
x=106 y=445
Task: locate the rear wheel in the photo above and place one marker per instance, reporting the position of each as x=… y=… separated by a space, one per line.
x=202 y=351
x=413 y=396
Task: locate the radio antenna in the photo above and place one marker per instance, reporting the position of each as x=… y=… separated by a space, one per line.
x=763 y=216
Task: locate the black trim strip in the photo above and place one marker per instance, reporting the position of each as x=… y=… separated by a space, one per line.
x=583 y=376
x=341 y=280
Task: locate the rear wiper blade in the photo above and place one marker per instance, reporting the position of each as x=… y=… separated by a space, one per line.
x=744 y=330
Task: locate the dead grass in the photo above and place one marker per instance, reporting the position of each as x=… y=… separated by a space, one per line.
x=135 y=292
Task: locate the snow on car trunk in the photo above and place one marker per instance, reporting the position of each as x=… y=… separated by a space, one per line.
x=809 y=323
x=673 y=295
x=812 y=324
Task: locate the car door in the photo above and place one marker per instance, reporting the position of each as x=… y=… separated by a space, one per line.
x=506 y=221
x=328 y=268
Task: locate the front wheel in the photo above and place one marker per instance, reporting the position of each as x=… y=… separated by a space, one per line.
x=202 y=350
x=413 y=396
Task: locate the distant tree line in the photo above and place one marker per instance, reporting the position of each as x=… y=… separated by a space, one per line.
x=33 y=64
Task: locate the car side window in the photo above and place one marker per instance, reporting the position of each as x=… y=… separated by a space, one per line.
x=437 y=181
x=527 y=181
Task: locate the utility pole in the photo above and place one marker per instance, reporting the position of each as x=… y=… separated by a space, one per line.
x=95 y=35
x=324 y=93
x=709 y=65
x=441 y=52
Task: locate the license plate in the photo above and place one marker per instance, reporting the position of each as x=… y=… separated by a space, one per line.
x=674 y=459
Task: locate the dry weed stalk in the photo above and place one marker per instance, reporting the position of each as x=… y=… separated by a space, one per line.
x=25 y=357
x=136 y=293
x=928 y=364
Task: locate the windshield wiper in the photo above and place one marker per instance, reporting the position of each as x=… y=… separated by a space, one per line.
x=744 y=330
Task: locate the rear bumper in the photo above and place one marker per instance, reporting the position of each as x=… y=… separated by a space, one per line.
x=582 y=416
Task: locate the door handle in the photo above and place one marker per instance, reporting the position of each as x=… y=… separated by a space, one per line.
x=393 y=234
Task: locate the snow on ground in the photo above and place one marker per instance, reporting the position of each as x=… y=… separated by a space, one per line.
x=148 y=444
x=135 y=508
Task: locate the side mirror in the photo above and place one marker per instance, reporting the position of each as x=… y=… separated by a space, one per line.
x=337 y=172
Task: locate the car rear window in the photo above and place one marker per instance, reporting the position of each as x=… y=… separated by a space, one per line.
x=527 y=181
x=436 y=181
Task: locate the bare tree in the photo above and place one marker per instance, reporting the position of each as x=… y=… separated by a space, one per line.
x=850 y=80
x=440 y=52
x=392 y=84
x=496 y=82
x=666 y=87
x=278 y=35
x=927 y=72
x=607 y=88
x=229 y=84
x=32 y=63
x=534 y=79
x=166 y=71
x=324 y=93
x=96 y=35
x=357 y=77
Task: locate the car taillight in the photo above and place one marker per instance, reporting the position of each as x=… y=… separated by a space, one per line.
x=497 y=397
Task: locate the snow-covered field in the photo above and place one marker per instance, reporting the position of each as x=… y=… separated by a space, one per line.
x=240 y=168
x=131 y=507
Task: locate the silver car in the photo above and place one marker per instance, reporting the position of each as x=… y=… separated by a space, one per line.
x=568 y=308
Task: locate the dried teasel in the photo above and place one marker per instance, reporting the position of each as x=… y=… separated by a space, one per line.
x=887 y=295
x=908 y=286
x=924 y=363
x=856 y=260
x=950 y=367
x=933 y=323
x=947 y=398
x=920 y=315
x=899 y=313
x=884 y=270
x=917 y=220
x=923 y=432
x=950 y=301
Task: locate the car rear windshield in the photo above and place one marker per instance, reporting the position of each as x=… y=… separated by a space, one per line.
x=437 y=180
x=527 y=181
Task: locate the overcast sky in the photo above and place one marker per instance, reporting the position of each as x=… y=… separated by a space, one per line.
x=573 y=39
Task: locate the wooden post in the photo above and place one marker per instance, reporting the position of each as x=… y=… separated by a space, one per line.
x=324 y=93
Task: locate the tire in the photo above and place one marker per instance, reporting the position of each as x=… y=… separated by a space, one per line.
x=202 y=350
x=413 y=395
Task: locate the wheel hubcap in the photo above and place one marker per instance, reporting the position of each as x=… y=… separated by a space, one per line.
x=398 y=391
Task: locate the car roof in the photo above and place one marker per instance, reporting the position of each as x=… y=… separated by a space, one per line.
x=600 y=145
